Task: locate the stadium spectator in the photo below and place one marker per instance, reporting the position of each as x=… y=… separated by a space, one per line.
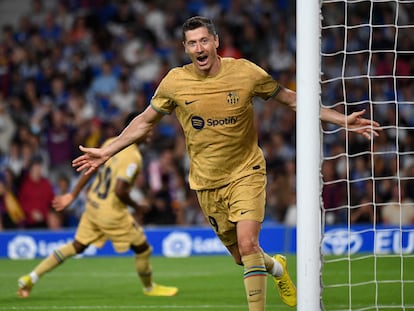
x=123 y=99
x=94 y=133
x=359 y=174
x=399 y=211
x=408 y=174
x=227 y=47
x=35 y=196
x=211 y=9
x=37 y=12
x=24 y=29
x=280 y=58
x=5 y=71
x=49 y=30
x=80 y=34
x=249 y=41
x=122 y=19
x=192 y=213
x=161 y=211
x=106 y=217
x=333 y=193
x=364 y=212
x=7 y=127
x=227 y=164
x=63 y=16
x=59 y=93
x=11 y=213
x=60 y=143
x=103 y=85
x=155 y=21
x=13 y=159
x=81 y=111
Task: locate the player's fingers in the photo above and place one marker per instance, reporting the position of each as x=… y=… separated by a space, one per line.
x=373 y=123
x=57 y=205
x=81 y=162
x=82 y=167
x=87 y=168
x=76 y=162
x=353 y=117
x=84 y=149
x=90 y=170
x=368 y=133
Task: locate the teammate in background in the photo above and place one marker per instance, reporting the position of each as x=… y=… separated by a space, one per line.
x=212 y=99
x=106 y=217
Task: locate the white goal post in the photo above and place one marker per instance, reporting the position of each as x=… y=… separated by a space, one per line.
x=308 y=152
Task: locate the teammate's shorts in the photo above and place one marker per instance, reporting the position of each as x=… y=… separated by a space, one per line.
x=243 y=199
x=123 y=234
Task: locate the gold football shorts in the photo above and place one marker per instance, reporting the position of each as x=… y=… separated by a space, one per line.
x=122 y=234
x=243 y=199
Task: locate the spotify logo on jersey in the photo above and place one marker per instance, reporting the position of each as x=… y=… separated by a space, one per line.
x=197 y=122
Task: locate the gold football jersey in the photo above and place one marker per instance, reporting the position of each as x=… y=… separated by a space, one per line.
x=216 y=113
x=101 y=197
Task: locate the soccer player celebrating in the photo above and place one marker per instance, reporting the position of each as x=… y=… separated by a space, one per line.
x=106 y=217
x=212 y=98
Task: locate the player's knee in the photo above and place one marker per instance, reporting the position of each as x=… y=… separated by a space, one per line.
x=248 y=247
x=142 y=250
x=79 y=248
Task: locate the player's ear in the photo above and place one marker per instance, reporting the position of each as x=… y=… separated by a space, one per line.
x=185 y=47
x=216 y=41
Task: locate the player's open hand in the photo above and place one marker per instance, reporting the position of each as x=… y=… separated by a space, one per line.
x=365 y=127
x=90 y=160
x=60 y=202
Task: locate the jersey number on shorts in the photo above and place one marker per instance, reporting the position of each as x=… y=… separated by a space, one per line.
x=104 y=182
x=213 y=223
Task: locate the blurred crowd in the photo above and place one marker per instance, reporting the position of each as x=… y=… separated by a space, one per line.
x=71 y=71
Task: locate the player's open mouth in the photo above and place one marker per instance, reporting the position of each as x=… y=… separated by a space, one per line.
x=202 y=60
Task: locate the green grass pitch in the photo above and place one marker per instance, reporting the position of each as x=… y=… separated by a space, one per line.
x=205 y=283
x=386 y=281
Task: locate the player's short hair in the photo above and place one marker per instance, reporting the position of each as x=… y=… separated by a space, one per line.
x=197 y=22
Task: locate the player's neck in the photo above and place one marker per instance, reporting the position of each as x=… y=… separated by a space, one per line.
x=213 y=70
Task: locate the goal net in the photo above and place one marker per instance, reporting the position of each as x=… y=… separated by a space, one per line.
x=367 y=246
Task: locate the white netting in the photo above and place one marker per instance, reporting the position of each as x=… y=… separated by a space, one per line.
x=367 y=62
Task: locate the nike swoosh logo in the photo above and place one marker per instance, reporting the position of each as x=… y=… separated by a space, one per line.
x=244 y=212
x=188 y=102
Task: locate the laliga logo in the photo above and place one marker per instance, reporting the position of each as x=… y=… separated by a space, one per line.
x=338 y=241
x=177 y=244
x=22 y=247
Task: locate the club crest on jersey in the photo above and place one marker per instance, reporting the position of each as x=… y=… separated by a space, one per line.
x=232 y=98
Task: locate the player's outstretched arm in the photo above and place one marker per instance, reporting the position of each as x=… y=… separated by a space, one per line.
x=60 y=202
x=354 y=122
x=135 y=132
